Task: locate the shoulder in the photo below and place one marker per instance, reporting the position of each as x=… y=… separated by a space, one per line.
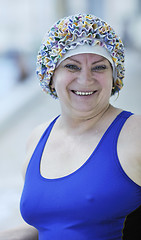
x=130 y=147
x=131 y=132
x=33 y=140
x=132 y=126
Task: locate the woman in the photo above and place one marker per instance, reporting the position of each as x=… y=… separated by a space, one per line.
x=83 y=176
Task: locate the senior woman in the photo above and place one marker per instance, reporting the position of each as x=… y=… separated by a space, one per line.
x=83 y=176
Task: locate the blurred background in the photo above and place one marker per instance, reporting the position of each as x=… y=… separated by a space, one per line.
x=23 y=105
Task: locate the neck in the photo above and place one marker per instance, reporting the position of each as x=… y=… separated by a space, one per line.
x=78 y=125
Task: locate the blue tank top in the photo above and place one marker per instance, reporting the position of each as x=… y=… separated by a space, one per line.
x=88 y=204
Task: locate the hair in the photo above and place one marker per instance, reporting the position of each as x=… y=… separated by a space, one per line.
x=62 y=37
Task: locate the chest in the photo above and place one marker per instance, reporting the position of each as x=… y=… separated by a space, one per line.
x=95 y=188
x=62 y=157
x=95 y=192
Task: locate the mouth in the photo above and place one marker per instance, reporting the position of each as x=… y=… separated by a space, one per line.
x=83 y=93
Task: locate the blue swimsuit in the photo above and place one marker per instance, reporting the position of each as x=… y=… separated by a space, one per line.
x=88 y=204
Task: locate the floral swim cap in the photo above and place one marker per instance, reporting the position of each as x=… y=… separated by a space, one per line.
x=63 y=36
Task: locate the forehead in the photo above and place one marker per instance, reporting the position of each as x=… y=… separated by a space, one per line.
x=86 y=57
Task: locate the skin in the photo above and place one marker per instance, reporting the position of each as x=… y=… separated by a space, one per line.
x=23 y=232
x=85 y=117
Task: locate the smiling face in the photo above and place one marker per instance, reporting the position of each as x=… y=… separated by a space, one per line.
x=83 y=84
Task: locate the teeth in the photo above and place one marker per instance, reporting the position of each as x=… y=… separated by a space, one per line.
x=83 y=93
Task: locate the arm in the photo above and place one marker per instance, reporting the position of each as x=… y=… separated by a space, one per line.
x=129 y=148
x=20 y=233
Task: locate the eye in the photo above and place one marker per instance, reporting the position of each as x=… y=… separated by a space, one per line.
x=99 y=68
x=72 y=67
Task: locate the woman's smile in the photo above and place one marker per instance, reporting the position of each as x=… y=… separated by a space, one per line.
x=83 y=93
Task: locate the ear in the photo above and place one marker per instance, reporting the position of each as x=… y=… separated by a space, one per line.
x=51 y=84
x=52 y=88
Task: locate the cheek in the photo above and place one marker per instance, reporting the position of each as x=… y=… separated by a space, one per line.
x=106 y=82
x=56 y=79
x=61 y=80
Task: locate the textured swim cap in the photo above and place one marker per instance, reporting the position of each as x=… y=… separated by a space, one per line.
x=78 y=30
x=79 y=49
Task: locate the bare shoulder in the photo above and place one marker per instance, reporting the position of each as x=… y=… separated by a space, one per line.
x=129 y=148
x=33 y=141
x=35 y=136
x=133 y=126
x=131 y=133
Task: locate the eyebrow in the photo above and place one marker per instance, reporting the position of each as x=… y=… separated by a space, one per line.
x=100 y=60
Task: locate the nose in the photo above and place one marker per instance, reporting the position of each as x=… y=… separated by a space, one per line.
x=85 y=77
